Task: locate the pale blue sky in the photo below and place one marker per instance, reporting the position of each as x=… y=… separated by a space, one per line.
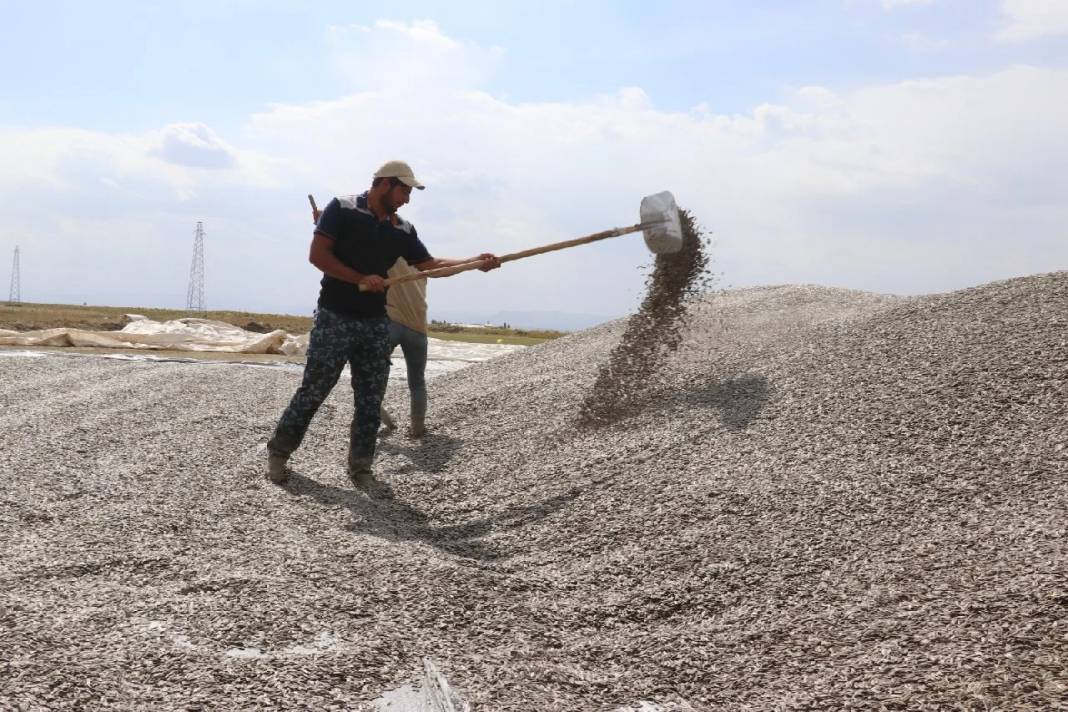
x=137 y=65
x=893 y=145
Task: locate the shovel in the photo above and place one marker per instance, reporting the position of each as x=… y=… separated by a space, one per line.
x=660 y=227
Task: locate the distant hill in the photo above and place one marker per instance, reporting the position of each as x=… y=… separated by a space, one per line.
x=556 y=320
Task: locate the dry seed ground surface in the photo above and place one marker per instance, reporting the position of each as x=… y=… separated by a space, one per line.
x=828 y=500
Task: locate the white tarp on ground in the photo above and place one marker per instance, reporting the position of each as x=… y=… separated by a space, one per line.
x=177 y=335
x=206 y=335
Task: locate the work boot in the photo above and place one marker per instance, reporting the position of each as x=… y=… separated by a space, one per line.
x=360 y=471
x=276 y=468
x=363 y=478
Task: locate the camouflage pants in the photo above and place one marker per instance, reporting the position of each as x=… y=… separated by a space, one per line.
x=335 y=340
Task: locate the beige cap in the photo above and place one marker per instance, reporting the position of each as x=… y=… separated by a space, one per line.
x=401 y=171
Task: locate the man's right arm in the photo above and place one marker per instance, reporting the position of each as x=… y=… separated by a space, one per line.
x=322 y=256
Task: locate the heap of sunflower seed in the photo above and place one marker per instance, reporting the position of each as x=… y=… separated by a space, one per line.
x=825 y=499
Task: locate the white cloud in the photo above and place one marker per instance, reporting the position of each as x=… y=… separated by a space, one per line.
x=417 y=54
x=1030 y=19
x=903 y=187
x=194 y=145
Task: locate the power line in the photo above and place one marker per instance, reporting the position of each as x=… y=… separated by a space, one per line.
x=14 y=295
x=195 y=297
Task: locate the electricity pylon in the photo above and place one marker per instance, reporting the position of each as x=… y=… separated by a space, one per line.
x=195 y=297
x=14 y=295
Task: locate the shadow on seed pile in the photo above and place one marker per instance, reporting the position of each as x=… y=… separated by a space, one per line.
x=655 y=330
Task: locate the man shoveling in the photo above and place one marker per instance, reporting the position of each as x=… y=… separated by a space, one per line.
x=406 y=308
x=356 y=241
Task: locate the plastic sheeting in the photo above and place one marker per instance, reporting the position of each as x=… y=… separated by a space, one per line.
x=207 y=335
x=178 y=335
x=434 y=695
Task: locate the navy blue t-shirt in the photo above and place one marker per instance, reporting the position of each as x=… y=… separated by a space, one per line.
x=368 y=246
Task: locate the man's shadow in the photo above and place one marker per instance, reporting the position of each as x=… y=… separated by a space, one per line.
x=430 y=453
x=380 y=514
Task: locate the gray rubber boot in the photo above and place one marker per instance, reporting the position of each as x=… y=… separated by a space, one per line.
x=418 y=427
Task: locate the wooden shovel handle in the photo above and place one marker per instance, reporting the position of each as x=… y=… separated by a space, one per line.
x=475 y=264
